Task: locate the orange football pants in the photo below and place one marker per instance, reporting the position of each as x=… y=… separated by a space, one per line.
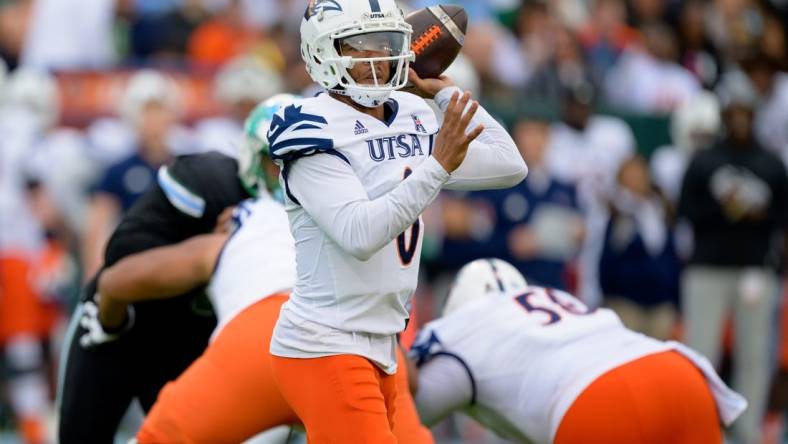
x=346 y=399
x=229 y=394
x=407 y=425
x=660 y=398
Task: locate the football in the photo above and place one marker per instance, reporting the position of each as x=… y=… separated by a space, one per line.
x=438 y=36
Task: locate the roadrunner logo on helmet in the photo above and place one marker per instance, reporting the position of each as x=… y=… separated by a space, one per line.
x=365 y=26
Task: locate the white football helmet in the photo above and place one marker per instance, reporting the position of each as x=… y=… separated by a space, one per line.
x=36 y=92
x=246 y=78
x=696 y=122
x=366 y=26
x=255 y=144
x=148 y=86
x=482 y=278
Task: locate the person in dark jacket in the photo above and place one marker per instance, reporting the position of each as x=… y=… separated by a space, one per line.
x=735 y=196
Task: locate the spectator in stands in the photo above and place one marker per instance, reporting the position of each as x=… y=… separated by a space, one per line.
x=735 y=197
x=240 y=85
x=151 y=105
x=639 y=268
x=30 y=108
x=606 y=36
x=697 y=54
x=586 y=150
x=647 y=11
x=565 y=66
x=14 y=19
x=498 y=56
x=227 y=34
x=774 y=40
x=735 y=26
x=164 y=34
x=82 y=41
x=539 y=220
x=647 y=79
x=536 y=31
x=694 y=125
x=150 y=7
x=538 y=225
x=770 y=84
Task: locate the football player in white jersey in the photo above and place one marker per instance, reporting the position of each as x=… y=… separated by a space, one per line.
x=249 y=281
x=536 y=365
x=359 y=165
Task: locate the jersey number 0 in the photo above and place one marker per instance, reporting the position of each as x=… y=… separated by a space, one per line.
x=406 y=245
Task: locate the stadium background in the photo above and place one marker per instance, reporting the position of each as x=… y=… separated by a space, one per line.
x=67 y=120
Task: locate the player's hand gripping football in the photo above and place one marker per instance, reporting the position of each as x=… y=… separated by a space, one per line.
x=426 y=88
x=453 y=139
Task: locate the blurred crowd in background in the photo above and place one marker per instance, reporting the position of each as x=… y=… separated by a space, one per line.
x=656 y=133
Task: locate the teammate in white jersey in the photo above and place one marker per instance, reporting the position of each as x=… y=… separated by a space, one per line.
x=536 y=365
x=249 y=281
x=360 y=163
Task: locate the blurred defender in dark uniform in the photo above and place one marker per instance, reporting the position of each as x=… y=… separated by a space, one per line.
x=131 y=353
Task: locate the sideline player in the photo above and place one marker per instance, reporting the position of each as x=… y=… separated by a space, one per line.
x=153 y=342
x=360 y=164
x=254 y=273
x=541 y=367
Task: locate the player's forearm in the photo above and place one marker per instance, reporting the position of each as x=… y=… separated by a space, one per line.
x=370 y=225
x=332 y=195
x=162 y=272
x=492 y=161
x=112 y=312
x=439 y=394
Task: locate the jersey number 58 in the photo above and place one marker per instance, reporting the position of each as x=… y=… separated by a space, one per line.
x=553 y=303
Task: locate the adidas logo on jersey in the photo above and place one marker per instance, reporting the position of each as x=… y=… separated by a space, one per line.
x=359 y=128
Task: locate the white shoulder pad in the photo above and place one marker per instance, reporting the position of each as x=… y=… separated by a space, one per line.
x=299 y=130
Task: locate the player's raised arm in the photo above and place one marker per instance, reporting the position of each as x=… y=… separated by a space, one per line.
x=330 y=192
x=322 y=181
x=492 y=160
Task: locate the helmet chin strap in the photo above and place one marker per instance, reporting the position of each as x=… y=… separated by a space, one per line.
x=366 y=99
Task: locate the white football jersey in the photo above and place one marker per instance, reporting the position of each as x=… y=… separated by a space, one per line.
x=256 y=262
x=356 y=219
x=524 y=358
